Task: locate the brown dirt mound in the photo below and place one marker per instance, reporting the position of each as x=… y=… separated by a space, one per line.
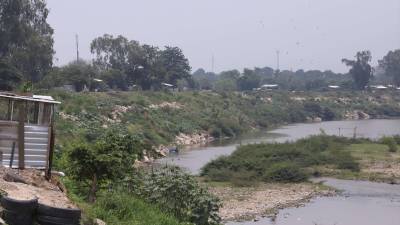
x=35 y=186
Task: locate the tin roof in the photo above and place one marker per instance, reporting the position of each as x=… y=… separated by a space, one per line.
x=33 y=98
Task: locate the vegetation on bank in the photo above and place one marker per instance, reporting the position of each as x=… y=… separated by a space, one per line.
x=294 y=162
x=158 y=196
x=105 y=169
x=287 y=162
x=158 y=117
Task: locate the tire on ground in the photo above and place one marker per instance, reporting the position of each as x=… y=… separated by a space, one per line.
x=49 y=220
x=19 y=205
x=17 y=218
x=45 y=210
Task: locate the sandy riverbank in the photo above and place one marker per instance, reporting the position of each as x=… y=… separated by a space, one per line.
x=247 y=203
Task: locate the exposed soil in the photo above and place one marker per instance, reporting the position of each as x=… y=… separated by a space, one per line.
x=245 y=203
x=48 y=193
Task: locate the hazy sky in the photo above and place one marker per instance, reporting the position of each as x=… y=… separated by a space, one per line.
x=310 y=34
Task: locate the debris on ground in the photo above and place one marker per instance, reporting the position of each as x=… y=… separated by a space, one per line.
x=30 y=184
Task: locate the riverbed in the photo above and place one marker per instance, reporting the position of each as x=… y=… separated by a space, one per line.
x=360 y=203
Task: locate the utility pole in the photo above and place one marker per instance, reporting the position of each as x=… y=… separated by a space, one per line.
x=277 y=60
x=77 y=47
x=212 y=63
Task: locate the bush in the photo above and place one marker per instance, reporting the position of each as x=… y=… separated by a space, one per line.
x=110 y=158
x=344 y=161
x=285 y=162
x=284 y=172
x=176 y=193
x=390 y=142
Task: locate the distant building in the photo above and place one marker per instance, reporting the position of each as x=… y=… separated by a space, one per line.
x=379 y=87
x=167 y=86
x=269 y=86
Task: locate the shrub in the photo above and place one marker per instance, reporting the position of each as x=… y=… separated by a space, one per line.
x=285 y=162
x=344 y=161
x=110 y=158
x=390 y=142
x=176 y=193
x=284 y=172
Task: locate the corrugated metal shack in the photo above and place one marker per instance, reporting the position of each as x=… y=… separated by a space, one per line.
x=27 y=131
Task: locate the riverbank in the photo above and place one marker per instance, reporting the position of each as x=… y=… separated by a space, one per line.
x=251 y=166
x=163 y=118
x=250 y=203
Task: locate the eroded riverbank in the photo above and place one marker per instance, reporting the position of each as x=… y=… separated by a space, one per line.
x=249 y=203
x=360 y=202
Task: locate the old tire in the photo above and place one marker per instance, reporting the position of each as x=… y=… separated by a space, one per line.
x=49 y=220
x=23 y=206
x=45 y=210
x=17 y=218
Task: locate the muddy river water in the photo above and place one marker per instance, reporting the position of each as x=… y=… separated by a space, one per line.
x=361 y=203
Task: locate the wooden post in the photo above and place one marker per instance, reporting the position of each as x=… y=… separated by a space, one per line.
x=21 y=135
x=51 y=145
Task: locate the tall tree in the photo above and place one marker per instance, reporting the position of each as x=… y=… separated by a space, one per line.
x=143 y=65
x=26 y=39
x=175 y=64
x=249 y=80
x=391 y=64
x=361 y=70
x=9 y=76
x=80 y=74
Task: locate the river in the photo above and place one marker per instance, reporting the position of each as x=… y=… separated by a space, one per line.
x=361 y=202
x=194 y=158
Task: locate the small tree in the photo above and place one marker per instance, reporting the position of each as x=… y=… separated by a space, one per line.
x=391 y=64
x=360 y=70
x=110 y=158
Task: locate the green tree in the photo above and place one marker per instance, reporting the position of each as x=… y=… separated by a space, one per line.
x=249 y=80
x=361 y=70
x=227 y=81
x=175 y=64
x=80 y=74
x=26 y=39
x=391 y=64
x=109 y=159
x=9 y=76
x=143 y=65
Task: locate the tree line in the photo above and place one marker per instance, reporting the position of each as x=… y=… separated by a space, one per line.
x=26 y=62
x=360 y=75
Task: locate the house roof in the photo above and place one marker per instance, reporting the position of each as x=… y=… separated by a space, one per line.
x=167 y=85
x=379 y=87
x=270 y=85
x=33 y=98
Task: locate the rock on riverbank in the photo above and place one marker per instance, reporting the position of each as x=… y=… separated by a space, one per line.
x=193 y=139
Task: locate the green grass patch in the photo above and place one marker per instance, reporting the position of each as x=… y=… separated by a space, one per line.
x=118 y=207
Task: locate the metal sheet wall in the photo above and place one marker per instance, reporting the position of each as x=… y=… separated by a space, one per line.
x=36 y=145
